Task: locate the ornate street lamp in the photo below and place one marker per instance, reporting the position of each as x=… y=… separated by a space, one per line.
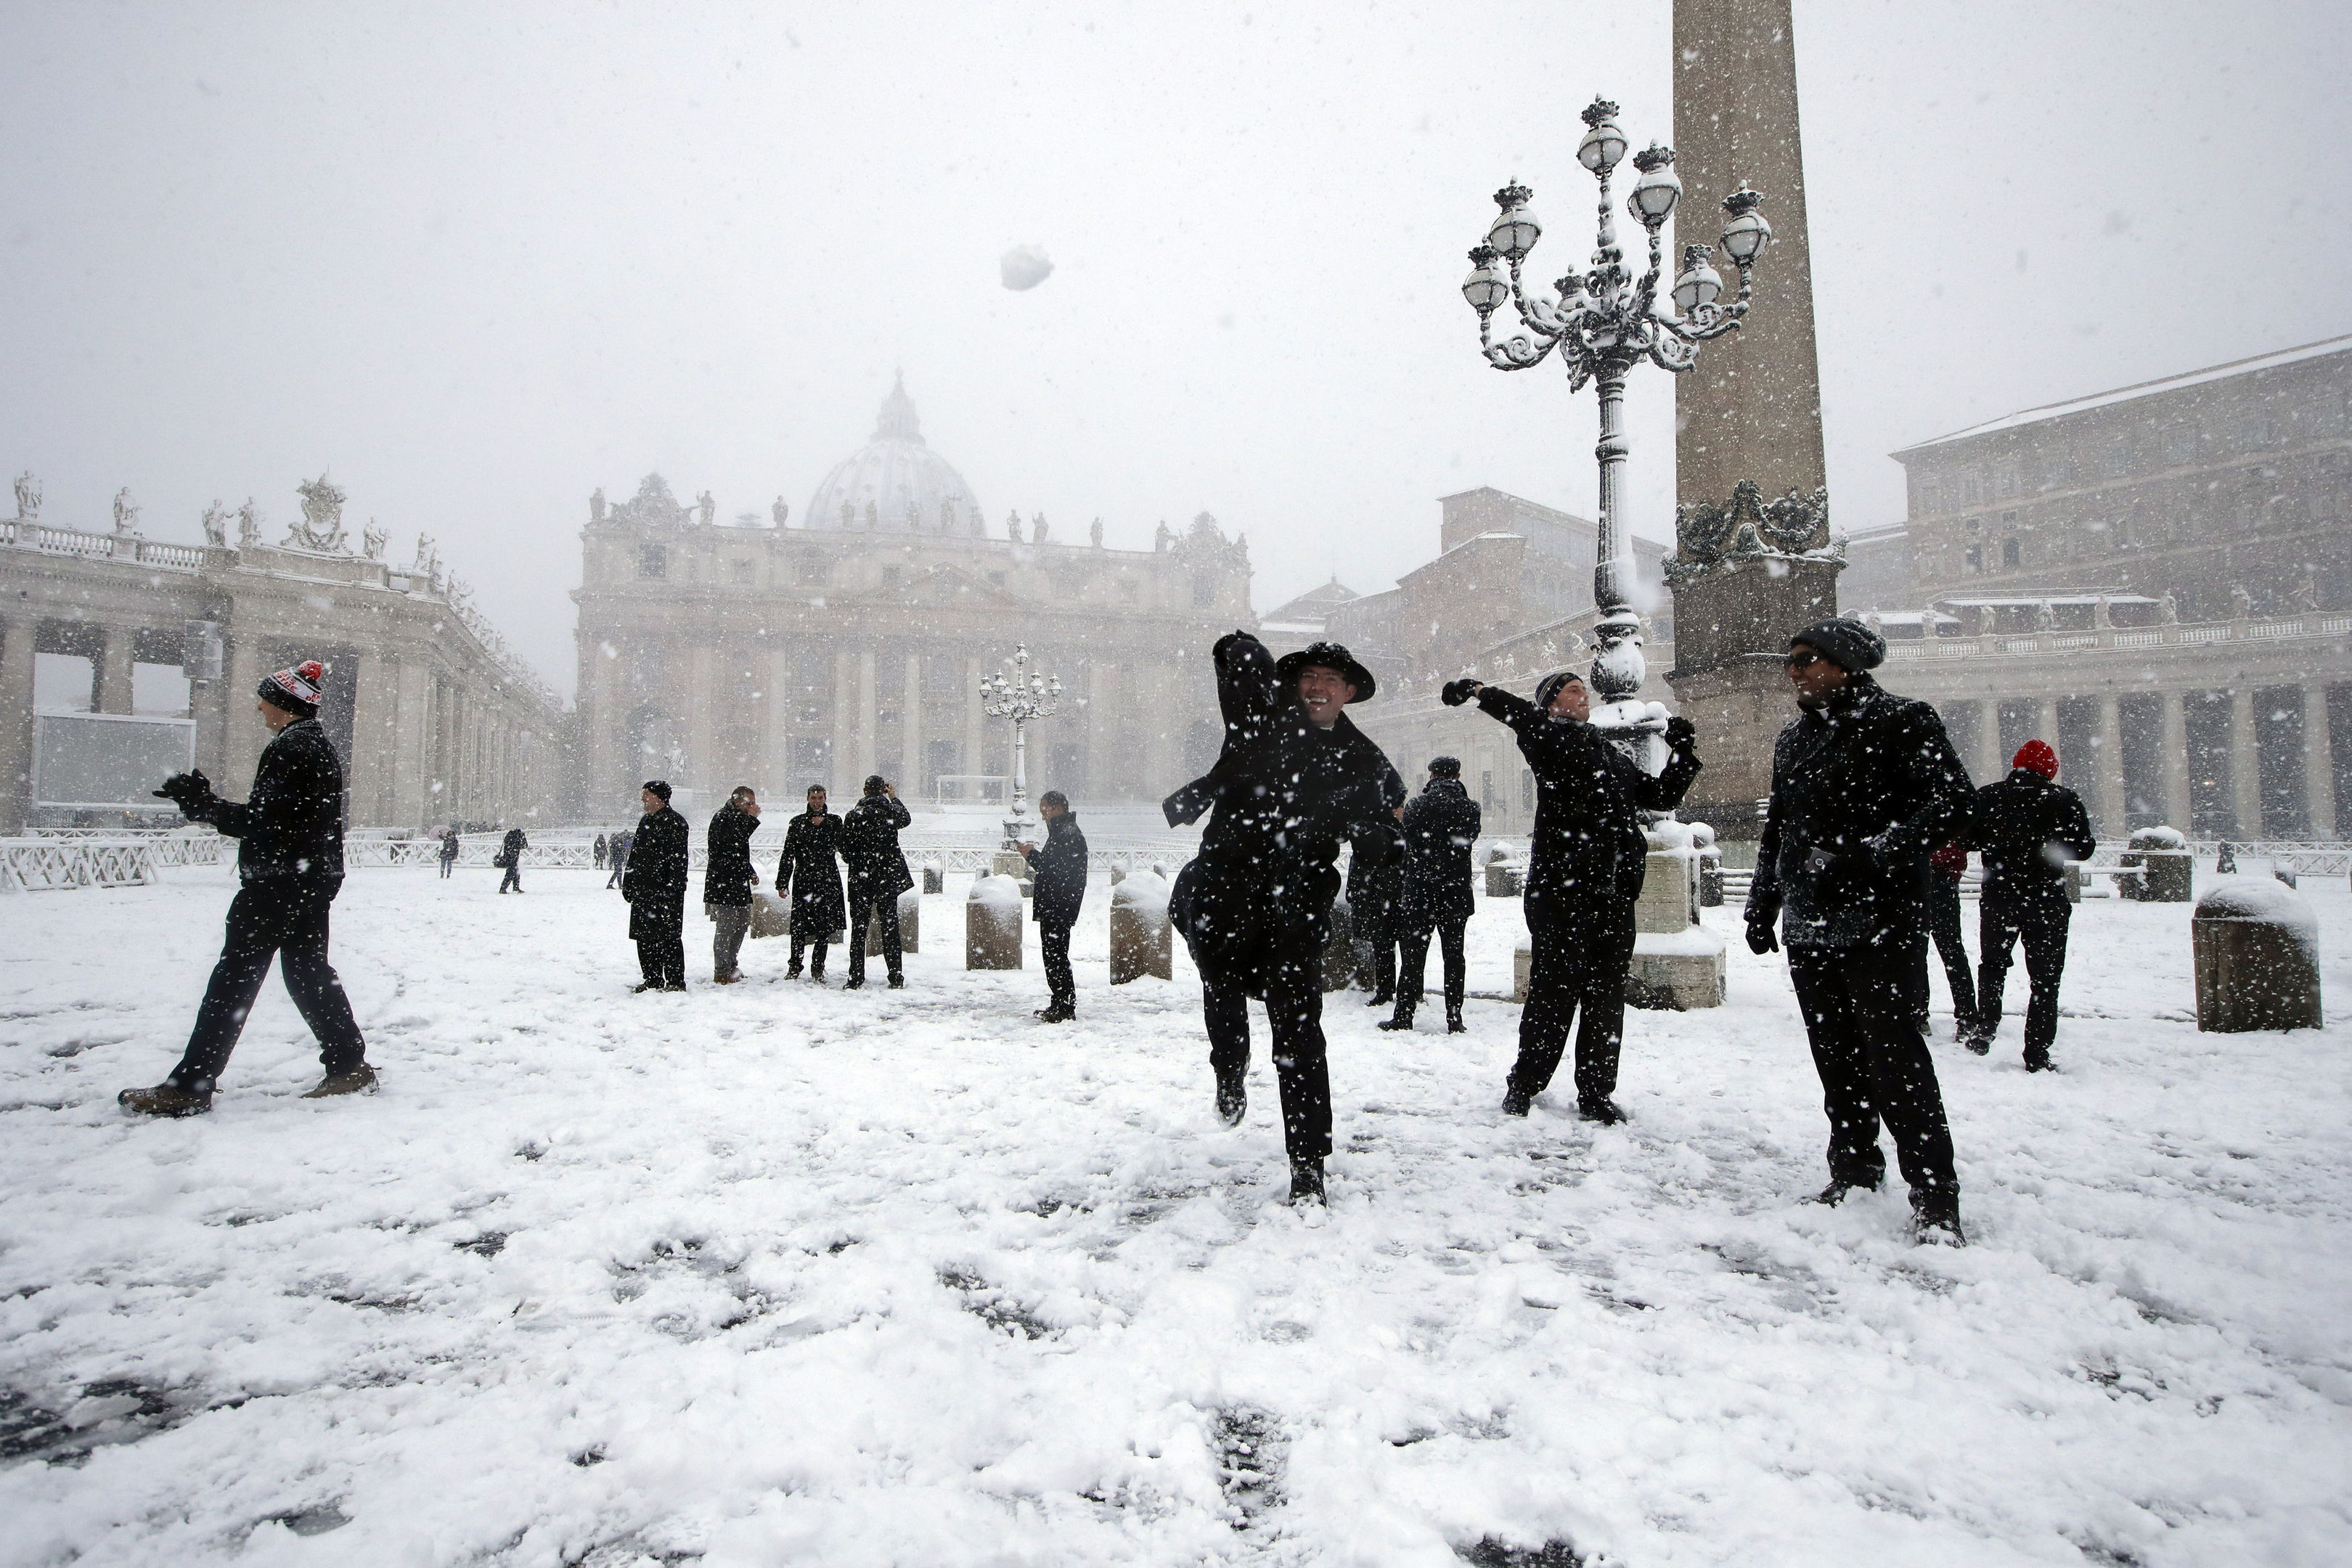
x=1604 y=324
x=1024 y=698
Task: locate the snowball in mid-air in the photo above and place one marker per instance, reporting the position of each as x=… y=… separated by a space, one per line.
x=1024 y=267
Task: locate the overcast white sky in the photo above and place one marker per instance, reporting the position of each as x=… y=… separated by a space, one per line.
x=480 y=261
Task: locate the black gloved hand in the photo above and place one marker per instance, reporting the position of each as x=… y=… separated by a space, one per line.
x=1681 y=732
x=1457 y=692
x=1762 y=937
x=191 y=791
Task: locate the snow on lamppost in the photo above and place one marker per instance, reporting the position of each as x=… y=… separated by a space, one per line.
x=1024 y=698
x=1604 y=324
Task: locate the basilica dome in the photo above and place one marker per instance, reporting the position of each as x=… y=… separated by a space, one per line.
x=895 y=484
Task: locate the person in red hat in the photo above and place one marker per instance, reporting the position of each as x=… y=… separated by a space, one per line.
x=290 y=865
x=2027 y=826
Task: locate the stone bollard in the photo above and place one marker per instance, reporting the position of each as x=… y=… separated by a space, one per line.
x=2256 y=945
x=1522 y=963
x=2160 y=864
x=1710 y=866
x=2073 y=875
x=911 y=926
x=992 y=924
x=1339 y=952
x=1141 y=939
x=934 y=877
x=1505 y=881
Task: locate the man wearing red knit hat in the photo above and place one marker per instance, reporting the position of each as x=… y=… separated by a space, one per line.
x=290 y=865
x=2028 y=827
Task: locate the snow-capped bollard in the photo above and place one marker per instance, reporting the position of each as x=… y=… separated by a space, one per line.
x=1339 y=953
x=1523 y=964
x=2256 y=944
x=910 y=925
x=1710 y=866
x=992 y=924
x=934 y=877
x=1141 y=938
x=2159 y=864
x=1505 y=881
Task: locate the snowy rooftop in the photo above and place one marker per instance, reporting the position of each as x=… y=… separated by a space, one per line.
x=2143 y=389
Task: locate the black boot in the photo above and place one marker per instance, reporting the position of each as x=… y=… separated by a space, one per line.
x=1834 y=1194
x=1936 y=1218
x=855 y=982
x=1601 y=1109
x=1379 y=999
x=1307 y=1185
x=1453 y=1023
x=1514 y=1102
x=166 y=1098
x=1233 y=1098
x=1403 y=1018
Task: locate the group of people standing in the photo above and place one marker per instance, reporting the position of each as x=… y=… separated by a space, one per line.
x=1866 y=832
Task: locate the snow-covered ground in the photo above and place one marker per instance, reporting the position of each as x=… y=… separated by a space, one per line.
x=780 y=1275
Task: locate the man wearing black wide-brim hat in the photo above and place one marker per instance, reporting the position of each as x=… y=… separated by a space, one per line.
x=1294 y=781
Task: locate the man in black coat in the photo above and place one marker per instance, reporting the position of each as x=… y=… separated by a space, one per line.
x=654 y=883
x=2027 y=826
x=727 y=878
x=617 y=857
x=1375 y=887
x=598 y=851
x=290 y=867
x=1584 y=871
x=1864 y=785
x=510 y=858
x=878 y=875
x=811 y=868
x=1057 y=886
x=1295 y=779
x=1439 y=826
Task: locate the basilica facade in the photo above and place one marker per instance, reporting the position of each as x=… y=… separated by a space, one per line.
x=852 y=639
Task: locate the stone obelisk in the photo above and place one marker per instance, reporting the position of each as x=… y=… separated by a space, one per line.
x=1752 y=560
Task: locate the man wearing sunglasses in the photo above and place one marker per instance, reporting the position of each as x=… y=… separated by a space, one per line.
x=1864 y=784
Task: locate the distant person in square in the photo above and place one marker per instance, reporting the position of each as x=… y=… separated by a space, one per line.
x=448 y=848
x=728 y=879
x=809 y=876
x=510 y=859
x=1439 y=826
x=1375 y=895
x=597 y=851
x=290 y=867
x=653 y=884
x=1057 y=886
x=878 y=875
x=617 y=857
x=2027 y=826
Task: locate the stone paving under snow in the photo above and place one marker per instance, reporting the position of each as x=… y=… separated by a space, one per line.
x=775 y=1274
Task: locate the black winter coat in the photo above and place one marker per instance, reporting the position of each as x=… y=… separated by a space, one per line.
x=1439 y=826
x=1286 y=794
x=869 y=847
x=1588 y=844
x=292 y=827
x=727 y=877
x=813 y=872
x=511 y=847
x=1057 y=873
x=2027 y=826
x=655 y=881
x=1862 y=790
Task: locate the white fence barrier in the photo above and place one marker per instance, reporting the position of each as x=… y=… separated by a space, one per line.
x=51 y=865
x=174 y=846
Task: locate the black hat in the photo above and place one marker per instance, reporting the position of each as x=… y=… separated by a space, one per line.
x=1330 y=655
x=295 y=690
x=1849 y=645
x=660 y=788
x=1549 y=687
x=1446 y=768
x=876 y=783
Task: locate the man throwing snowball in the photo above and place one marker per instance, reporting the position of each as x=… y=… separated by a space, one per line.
x=290 y=865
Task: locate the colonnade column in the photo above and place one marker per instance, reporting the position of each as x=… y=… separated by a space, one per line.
x=701 y=708
x=975 y=737
x=2179 y=810
x=15 y=724
x=845 y=722
x=2245 y=765
x=910 y=728
x=114 y=672
x=2112 y=798
x=375 y=741
x=1100 y=749
x=242 y=736
x=2318 y=762
x=783 y=672
x=1990 y=765
x=412 y=777
x=868 y=722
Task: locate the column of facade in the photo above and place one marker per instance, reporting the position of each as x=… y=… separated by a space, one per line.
x=2318 y=762
x=845 y=725
x=242 y=734
x=2045 y=724
x=975 y=721
x=2245 y=765
x=1100 y=747
x=2112 y=798
x=1988 y=765
x=2177 y=804
x=869 y=719
x=376 y=737
x=113 y=692
x=782 y=674
x=15 y=723
x=413 y=745
x=701 y=718
x=910 y=729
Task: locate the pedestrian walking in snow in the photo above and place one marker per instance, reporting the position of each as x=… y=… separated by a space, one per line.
x=1439 y=826
x=598 y=851
x=728 y=879
x=448 y=849
x=290 y=867
x=1946 y=868
x=1585 y=862
x=1864 y=784
x=652 y=880
x=617 y=853
x=810 y=870
x=1057 y=886
x=1375 y=886
x=1293 y=780
x=510 y=858
x=878 y=875
x=2028 y=827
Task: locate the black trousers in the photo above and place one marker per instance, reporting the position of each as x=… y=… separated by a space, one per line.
x=863 y=914
x=663 y=957
x=619 y=866
x=2042 y=922
x=1410 y=976
x=1376 y=956
x=1943 y=926
x=1874 y=1067
x=513 y=878
x=1061 y=986
x=446 y=862
x=1294 y=1012
x=272 y=920
x=816 y=962
x=1577 y=961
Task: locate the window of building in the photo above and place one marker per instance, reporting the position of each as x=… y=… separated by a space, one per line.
x=997 y=578
x=1971 y=491
x=653 y=561
x=2004 y=482
x=890 y=576
x=1130 y=589
x=2181 y=445
x=1930 y=498
x=742 y=571
x=2058 y=473
x=2009 y=553
x=1975 y=558
x=1204 y=591
x=1487 y=788
x=2254 y=430
x=811 y=568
